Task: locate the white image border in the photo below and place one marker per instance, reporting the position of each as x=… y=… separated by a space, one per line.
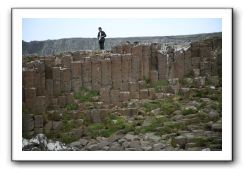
x=19 y=155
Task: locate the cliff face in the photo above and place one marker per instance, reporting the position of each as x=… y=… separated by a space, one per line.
x=49 y=47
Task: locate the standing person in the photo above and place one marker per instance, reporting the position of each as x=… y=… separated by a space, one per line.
x=101 y=38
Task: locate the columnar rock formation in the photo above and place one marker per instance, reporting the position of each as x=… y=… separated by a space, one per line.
x=49 y=83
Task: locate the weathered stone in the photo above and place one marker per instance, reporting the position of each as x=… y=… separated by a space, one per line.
x=78 y=122
x=96 y=75
x=196 y=72
x=61 y=101
x=56 y=81
x=56 y=125
x=213 y=80
x=151 y=137
x=40 y=105
x=103 y=144
x=38 y=130
x=130 y=137
x=146 y=65
x=195 y=61
x=181 y=140
x=92 y=147
x=48 y=127
x=124 y=96
x=188 y=82
x=116 y=72
x=158 y=147
x=144 y=94
x=199 y=81
x=86 y=70
x=76 y=69
x=142 y=84
x=105 y=95
x=162 y=66
x=135 y=144
x=83 y=141
x=184 y=91
x=28 y=78
x=213 y=115
x=49 y=87
x=115 y=147
x=29 y=95
x=154 y=76
x=69 y=98
x=38 y=121
x=175 y=85
x=114 y=96
x=125 y=71
x=66 y=61
x=151 y=93
x=76 y=83
x=106 y=73
x=27 y=122
x=217 y=127
x=65 y=77
x=156 y=111
x=135 y=68
x=76 y=133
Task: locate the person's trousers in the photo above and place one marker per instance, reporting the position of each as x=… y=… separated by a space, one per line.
x=101 y=45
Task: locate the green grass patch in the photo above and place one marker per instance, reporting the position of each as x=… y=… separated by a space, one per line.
x=111 y=125
x=71 y=106
x=149 y=106
x=159 y=84
x=67 y=126
x=201 y=141
x=85 y=95
x=168 y=106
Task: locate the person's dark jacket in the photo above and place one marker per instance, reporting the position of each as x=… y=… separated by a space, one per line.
x=103 y=35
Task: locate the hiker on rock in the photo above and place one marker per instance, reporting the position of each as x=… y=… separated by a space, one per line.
x=101 y=38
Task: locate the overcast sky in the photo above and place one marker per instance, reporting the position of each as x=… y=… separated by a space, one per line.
x=52 y=28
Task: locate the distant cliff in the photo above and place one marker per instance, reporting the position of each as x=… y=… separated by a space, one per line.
x=48 y=47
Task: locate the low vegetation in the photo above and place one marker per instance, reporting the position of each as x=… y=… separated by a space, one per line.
x=85 y=95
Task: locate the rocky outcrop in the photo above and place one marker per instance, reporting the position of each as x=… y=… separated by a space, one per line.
x=50 y=47
x=136 y=97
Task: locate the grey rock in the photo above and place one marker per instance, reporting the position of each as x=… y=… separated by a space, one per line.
x=146 y=148
x=135 y=144
x=103 y=144
x=180 y=140
x=27 y=122
x=206 y=149
x=38 y=121
x=213 y=115
x=152 y=137
x=92 y=147
x=115 y=147
x=156 y=111
x=125 y=144
x=158 y=146
x=76 y=144
x=190 y=145
x=57 y=125
x=217 y=127
x=194 y=149
x=130 y=137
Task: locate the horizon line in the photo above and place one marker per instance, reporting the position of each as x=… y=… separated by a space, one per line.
x=120 y=37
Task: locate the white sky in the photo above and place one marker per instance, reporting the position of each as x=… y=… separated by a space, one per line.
x=53 y=28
